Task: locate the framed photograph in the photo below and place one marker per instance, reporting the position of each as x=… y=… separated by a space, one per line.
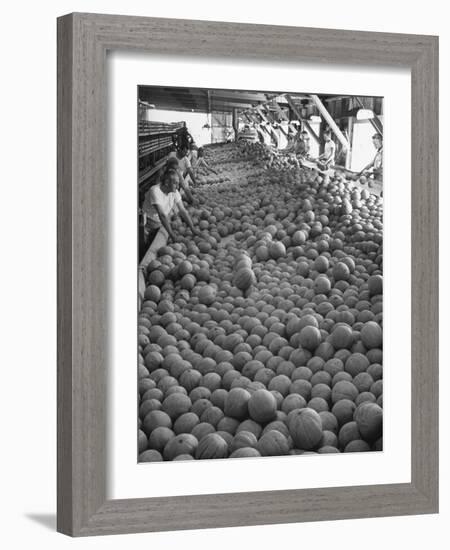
x=247 y=274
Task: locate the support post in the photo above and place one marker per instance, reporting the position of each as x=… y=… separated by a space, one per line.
x=348 y=157
x=303 y=121
x=235 y=123
x=331 y=123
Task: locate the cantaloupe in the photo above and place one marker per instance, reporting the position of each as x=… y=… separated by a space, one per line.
x=293 y=401
x=180 y=444
x=243 y=439
x=277 y=250
x=371 y=335
x=148 y=405
x=262 y=406
x=342 y=336
x=142 y=441
x=244 y=278
x=185 y=423
x=156 y=419
x=207 y=294
x=150 y=455
x=273 y=443
x=348 y=432
x=211 y=446
x=236 y=403
x=305 y=427
x=226 y=436
x=212 y=415
x=202 y=429
x=153 y=293
x=369 y=419
x=245 y=452
x=375 y=284
x=329 y=438
x=310 y=338
x=322 y=284
x=250 y=426
x=340 y=271
x=228 y=424
x=176 y=404
x=356 y=363
x=357 y=446
x=329 y=421
x=159 y=438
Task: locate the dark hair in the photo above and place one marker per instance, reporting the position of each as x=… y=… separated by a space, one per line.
x=327 y=132
x=377 y=136
x=171 y=162
x=168 y=173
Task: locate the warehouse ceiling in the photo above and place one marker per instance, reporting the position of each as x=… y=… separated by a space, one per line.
x=202 y=100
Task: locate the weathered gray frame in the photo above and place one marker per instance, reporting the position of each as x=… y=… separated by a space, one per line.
x=83 y=40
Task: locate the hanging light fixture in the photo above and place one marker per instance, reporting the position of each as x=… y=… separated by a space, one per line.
x=206 y=126
x=364 y=114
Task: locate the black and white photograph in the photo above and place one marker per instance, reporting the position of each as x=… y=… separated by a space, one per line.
x=260 y=248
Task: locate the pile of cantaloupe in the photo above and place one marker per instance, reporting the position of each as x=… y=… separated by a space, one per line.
x=263 y=335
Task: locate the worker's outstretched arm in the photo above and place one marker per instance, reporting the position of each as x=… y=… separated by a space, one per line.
x=191 y=174
x=165 y=222
x=186 y=218
x=368 y=167
x=187 y=191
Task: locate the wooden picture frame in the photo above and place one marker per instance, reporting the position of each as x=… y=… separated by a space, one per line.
x=83 y=41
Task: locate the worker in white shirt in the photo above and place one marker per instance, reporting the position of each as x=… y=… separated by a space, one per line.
x=159 y=206
x=174 y=164
x=185 y=166
x=375 y=168
x=327 y=157
x=193 y=153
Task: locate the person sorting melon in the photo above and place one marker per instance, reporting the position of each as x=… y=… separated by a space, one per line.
x=326 y=159
x=182 y=187
x=303 y=146
x=159 y=206
x=183 y=138
x=375 y=168
x=201 y=162
x=185 y=167
x=193 y=154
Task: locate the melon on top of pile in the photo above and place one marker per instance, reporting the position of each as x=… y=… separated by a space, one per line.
x=263 y=335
